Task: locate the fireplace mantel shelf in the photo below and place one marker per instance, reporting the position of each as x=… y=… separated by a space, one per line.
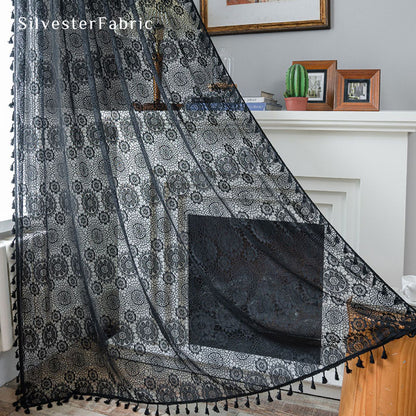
x=382 y=121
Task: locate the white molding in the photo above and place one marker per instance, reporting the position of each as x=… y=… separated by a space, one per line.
x=364 y=148
x=382 y=121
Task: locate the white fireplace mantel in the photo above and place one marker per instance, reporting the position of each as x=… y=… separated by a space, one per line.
x=354 y=167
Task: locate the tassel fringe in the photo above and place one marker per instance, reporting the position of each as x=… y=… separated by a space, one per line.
x=135 y=406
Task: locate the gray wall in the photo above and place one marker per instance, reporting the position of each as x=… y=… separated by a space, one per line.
x=365 y=34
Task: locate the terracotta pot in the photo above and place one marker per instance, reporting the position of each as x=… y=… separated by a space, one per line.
x=296 y=103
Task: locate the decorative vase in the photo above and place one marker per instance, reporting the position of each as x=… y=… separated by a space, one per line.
x=296 y=103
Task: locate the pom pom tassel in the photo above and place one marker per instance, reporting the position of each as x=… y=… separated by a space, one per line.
x=324 y=379
x=300 y=388
x=167 y=411
x=279 y=395
x=336 y=374
x=178 y=410
x=147 y=411
x=226 y=406
x=196 y=410
x=269 y=397
x=247 y=404
x=206 y=409
x=136 y=409
x=157 y=410
x=347 y=368
x=290 y=392
x=371 y=358
x=215 y=408
x=360 y=363
x=236 y=404
x=258 y=400
x=384 y=354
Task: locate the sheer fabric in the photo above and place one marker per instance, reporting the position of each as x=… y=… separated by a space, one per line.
x=164 y=252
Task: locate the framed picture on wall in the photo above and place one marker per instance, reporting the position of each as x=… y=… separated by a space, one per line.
x=358 y=90
x=222 y=17
x=322 y=82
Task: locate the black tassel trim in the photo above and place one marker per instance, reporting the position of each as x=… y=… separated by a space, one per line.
x=247 y=404
x=313 y=387
x=206 y=409
x=279 y=395
x=108 y=401
x=236 y=404
x=258 y=400
x=89 y=399
x=300 y=388
x=371 y=358
x=118 y=403
x=147 y=411
x=360 y=363
x=384 y=355
x=167 y=411
x=59 y=403
x=75 y=396
x=157 y=411
x=27 y=411
x=136 y=409
x=97 y=399
x=269 y=397
x=324 y=379
x=39 y=408
x=347 y=368
x=81 y=397
x=178 y=410
x=290 y=392
x=127 y=405
x=226 y=406
x=196 y=410
x=50 y=405
x=215 y=408
x=336 y=374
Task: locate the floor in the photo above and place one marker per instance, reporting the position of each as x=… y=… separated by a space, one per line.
x=296 y=405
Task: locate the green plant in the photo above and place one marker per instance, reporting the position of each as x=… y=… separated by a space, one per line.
x=297 y=81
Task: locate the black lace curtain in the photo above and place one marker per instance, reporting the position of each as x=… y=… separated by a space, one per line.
x=164 y=252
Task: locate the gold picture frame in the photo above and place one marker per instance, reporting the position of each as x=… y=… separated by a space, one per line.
x=323 y=22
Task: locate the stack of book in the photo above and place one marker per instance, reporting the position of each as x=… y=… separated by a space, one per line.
x=265 y=102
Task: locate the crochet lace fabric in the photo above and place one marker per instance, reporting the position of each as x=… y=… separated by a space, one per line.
x=164 y=252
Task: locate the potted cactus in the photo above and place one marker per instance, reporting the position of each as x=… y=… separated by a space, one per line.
x=297 y=83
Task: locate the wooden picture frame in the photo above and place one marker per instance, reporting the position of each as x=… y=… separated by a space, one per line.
x=358 y=90
x=318 y=20
x=325 y=74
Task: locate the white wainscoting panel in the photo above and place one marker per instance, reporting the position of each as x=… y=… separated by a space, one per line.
x=354 y=166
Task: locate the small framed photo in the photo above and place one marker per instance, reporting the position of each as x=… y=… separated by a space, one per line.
x=358 y=90
x=322 y=80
